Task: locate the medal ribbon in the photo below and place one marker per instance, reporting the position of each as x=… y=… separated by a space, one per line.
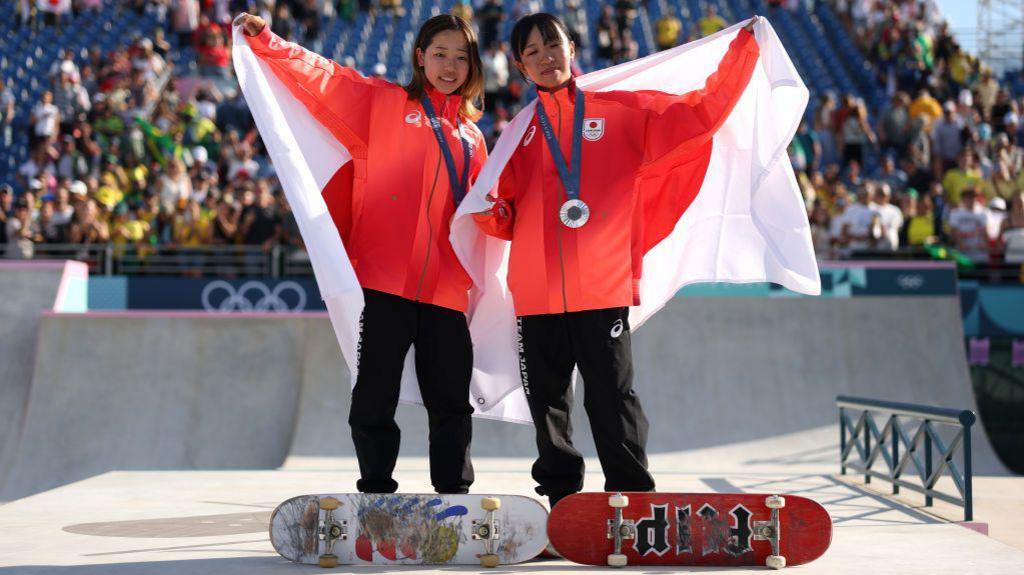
x=459 y=185
x=570 y=180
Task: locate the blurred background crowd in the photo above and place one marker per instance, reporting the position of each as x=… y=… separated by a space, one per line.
x=121 y=124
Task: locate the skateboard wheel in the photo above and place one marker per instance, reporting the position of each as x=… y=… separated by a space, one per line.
x=328 y=503
x=328 y=561
x=775 y=502
x=489 y=560
x=618 y=500
x=490 y=503
x=617 y=560
x=775 y=561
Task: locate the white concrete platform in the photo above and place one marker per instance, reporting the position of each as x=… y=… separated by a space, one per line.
x=214 y=522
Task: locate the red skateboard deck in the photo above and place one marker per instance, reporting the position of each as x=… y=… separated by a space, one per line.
x=711 y=529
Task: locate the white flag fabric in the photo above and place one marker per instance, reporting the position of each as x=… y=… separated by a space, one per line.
x=747 y=223
x=306 y=157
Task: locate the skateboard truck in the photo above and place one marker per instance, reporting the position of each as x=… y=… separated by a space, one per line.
x=769 y=531
x=331 y=530
x=488 y=530
x=619 y=529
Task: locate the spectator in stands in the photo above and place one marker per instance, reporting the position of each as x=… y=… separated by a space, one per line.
x=489 y=18
x=145 y=60
x=174 y=187
x=823 y=127
x=463 y=9
x=890 y=218
x=261 y=223
x=22 y=231
x=71 y=100
x=575 y=18
x=495 y=64
x=65 y=64
x=668 y=28
x=925 y=107
x=224 y=228
x=393 y=7
x=214 y=54
x=185 y=19
x=628 y=47
x=968 y=225
x=821 y=234
x=894 y=127
x=855 y=132
x=860 y=228
x=6 y=205
x=26 y=14
x=607 y=37
x=88 y=226
x=6 y=115
x=190 y=227
x=1012 y=234
x=39 y=166
x=962 y=176
x=919 y=221
x=127 y=229
x=805 y=149
x=947 y=134
x=625 y=14
x=45 y=120
x=711 y=22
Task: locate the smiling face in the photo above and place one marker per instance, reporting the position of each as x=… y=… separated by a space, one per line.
x=547 y=61
x=445 y=62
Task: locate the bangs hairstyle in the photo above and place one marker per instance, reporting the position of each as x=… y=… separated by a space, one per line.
x=471 y=90
x=548 y=25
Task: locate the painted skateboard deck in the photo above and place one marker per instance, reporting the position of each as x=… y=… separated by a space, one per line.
x=710 y=529
x=408 y=529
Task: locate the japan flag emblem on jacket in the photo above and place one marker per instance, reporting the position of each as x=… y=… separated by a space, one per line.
x=593 y=129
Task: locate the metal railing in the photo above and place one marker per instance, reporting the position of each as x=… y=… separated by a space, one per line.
x=860 y=435
x=162 y=260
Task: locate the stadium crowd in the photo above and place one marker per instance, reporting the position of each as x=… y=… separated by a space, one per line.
x=130 y=149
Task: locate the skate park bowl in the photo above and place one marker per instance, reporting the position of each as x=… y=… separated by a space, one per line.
x=190 y=414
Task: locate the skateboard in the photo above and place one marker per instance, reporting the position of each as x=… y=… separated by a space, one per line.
x=709 y=529
x=408 y=529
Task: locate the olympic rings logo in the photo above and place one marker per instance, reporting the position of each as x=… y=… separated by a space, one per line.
x=242 y=300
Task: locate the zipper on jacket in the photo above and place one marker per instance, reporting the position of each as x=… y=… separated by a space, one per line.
x=558 y=228
x=430 y=226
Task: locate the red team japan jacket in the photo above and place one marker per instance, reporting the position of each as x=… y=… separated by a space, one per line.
x=393 y=202
x=627 y=136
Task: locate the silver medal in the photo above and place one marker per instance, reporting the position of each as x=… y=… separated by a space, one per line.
x=574 y=213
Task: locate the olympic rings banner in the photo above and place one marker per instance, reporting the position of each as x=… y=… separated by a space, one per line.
x=217 y=294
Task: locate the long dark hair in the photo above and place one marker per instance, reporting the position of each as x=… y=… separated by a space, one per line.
x=548 y=25
x=473 y=87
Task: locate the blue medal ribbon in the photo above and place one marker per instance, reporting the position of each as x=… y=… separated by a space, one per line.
x=459 y=186
x=570 y=179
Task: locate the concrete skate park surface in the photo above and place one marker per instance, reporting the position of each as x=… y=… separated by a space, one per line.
x=150 y=391
x=739 y=391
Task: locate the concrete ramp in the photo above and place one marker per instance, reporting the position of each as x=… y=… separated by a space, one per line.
x=28 y=289
x=148 y=392
x=145 y=391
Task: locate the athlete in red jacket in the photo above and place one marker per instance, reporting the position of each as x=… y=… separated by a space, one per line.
x=415 y=152
x=568 y=201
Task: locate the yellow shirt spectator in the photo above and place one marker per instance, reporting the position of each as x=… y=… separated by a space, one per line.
x=668 y=27
x=920 y=229
x=191 y=230
x=957 y=179
x=925 y=107
x=710 y=24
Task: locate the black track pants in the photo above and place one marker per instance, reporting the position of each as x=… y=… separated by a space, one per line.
x=444 y=365
x=598 y=341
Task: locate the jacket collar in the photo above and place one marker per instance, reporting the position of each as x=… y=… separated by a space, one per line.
x=446 y=106
x=566 y=93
